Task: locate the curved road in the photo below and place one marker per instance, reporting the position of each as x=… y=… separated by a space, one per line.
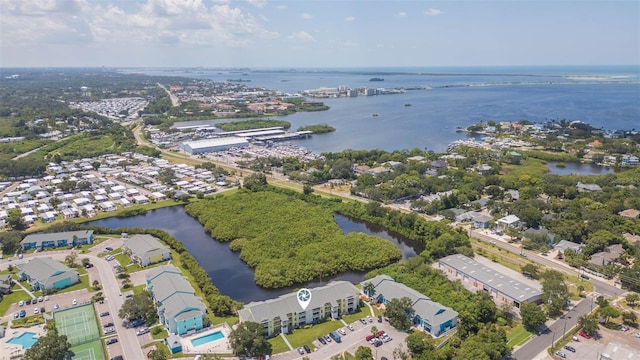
x=113 y=298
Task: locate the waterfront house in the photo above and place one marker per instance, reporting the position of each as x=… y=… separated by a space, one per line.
x=46 y=274
x=49 y=240
x=428 y=315
x=283 y=314
x=145 y=249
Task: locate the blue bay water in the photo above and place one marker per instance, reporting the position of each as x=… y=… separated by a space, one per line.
x=603 y=96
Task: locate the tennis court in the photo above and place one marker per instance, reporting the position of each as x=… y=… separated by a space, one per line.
x=88 y=351
x=78 y=323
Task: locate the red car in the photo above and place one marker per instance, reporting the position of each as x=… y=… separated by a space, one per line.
x=586 y=336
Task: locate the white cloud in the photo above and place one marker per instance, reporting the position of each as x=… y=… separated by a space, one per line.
x=349 y=18
x=433 y=12
x=258 y=3
x=29 y=23
x=306 y=16
x=401 y=14
x=301 y=37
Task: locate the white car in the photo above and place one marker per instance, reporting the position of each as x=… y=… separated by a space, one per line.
x=21 y=303
x=56 y=307
x=342 y=331
x=74 y=302
x=36 y=311
x=46 y=298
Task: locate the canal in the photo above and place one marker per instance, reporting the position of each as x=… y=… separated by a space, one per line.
x=230 y=274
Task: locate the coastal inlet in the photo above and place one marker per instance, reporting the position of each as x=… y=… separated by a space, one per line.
x=230 y=274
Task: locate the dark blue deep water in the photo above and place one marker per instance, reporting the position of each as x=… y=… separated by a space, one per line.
x=604 y=96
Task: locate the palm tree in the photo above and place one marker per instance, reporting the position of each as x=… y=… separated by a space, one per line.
x=369 y=289
x=374 y=331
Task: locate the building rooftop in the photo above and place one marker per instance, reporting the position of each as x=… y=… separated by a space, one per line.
x=288 y=303
x=503 y=283
x=616 y=351
x=227 y=141
x=140 y=244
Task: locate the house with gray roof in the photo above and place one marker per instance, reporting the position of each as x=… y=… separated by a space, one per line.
x=430 y=316
x=145 y=249
x=563 y=245
x=503 y=288
x=47 y=274
x=284 y=313
x=50 y=240
x=179 y=309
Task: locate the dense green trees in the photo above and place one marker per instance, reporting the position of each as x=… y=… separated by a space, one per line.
x=252 y=124
x=363 y=353
x=589 y=324
x=248 y=339
x=554 y=292
x=140 y=306
x=50 y=347
x=532 y=316
x=288 y=240
x=398 y=312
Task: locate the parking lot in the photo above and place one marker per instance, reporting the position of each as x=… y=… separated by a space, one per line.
x=588 y=348
x=350 y=343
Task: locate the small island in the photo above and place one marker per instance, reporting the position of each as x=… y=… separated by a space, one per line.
x=318 y=128
x=376 y=79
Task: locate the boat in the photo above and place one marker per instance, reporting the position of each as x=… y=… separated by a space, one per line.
x=376 y=79
x=374 y=115
x=407 y=104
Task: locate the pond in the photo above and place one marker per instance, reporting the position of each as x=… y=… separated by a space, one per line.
x=577 y=169
x=230 y=274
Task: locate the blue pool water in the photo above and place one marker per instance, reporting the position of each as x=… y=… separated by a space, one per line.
x=207 y=338
x=25 y=340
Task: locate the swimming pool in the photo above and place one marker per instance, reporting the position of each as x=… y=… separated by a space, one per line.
x=25 y=340
x=207 y=338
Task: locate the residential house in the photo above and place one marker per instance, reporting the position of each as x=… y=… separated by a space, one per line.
x=145 y=249
x=563 y=245
x=630 y=213
x=481 y=221
x=503 y=288
x=5 y=284
x=610 y=254
x=588 y=187
x=428 y=315
x=49 y=240
x=508 y=221
x=284 y=313
x=46 y=274
x=484 y=169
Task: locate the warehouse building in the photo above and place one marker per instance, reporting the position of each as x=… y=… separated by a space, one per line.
x=211 y=145
x=501 y=287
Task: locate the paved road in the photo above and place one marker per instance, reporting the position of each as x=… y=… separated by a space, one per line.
x=111 y=290
x=532 y=348
x=599 y=286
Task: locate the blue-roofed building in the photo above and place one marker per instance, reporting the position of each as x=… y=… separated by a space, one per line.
x=428 y=315
x=60 y=239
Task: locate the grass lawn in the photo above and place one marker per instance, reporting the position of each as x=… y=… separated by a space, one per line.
x=17 y=295
x=301 y=337
x=161 y=335
x=518 y=336
x=362 y=313
x=230 y=320
x=278 y=345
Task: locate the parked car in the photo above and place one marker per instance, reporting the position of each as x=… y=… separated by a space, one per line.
x=42 y=310
x=46 y=298
x=110 y=330
x=118 y=357
x=21 y=303
x=104 y=313
x=561 y=354
x=56 y=307
x=570 y=348
x=584 y=276
x=370 y=318
x=36 y=311
x=379 y=318
x=327 y=338
x=112 y=341
x=109 y=324
x=142 y=331
x=638 y=335
x=40 y=299
x=587 y=336
x=28 y=302
x=363 y=321
x=624 y=328
x=74 y=302
x=350 y=327
x=307 y=349
x=300 y=351
x=108 y=248
x=342 y=331
x=322 y=340
x=23 y=313
x=16 y=315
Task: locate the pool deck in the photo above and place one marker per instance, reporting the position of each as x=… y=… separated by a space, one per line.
x=7 y=350
x=220 y=346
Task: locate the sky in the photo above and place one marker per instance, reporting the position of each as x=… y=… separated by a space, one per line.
x=317 y=33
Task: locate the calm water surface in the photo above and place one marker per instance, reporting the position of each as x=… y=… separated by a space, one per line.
x=578 y=169
x=230 y=274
